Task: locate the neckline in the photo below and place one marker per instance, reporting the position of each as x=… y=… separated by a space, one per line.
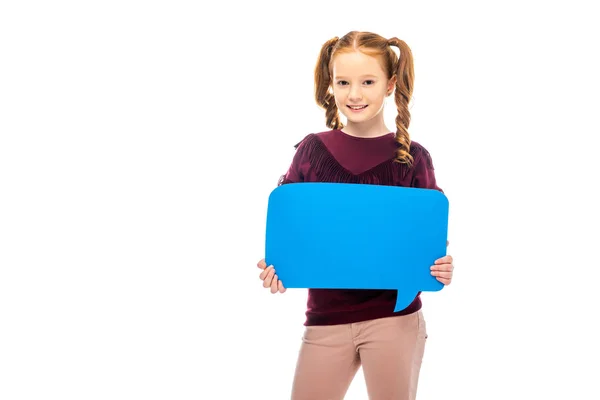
x=369 y=173
x=362 y=138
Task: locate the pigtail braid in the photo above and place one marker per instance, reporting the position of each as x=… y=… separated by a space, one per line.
x=323 y=97
x=404 y=89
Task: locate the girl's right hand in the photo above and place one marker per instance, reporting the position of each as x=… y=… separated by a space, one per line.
x=270 y=280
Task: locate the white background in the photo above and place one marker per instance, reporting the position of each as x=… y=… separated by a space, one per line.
x=139 y=144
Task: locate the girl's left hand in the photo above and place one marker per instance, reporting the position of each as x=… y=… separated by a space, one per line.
x=443 y=268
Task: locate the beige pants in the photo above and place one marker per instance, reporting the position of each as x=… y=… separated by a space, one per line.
x=390 y=351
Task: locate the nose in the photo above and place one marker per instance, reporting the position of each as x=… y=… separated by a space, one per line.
x=355 y=93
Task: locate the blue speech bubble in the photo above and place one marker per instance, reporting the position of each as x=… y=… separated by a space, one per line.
x=356 y=236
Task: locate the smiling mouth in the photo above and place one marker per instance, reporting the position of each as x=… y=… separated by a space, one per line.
x=357 y=107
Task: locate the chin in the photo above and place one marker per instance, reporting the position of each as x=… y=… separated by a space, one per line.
x=362 y=118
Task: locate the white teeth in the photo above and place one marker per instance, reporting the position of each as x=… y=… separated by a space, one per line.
x=356 y=107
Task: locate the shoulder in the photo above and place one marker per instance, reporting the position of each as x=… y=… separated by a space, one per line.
x=313 y=139
x=305 y=140
x=421 y=156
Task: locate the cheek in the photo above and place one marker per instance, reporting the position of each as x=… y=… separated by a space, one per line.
x=339 y=100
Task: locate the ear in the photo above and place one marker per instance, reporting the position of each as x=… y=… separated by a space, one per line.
x=391 y=85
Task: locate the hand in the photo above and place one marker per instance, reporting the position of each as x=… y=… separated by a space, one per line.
x=270 y=280
x=443 y=268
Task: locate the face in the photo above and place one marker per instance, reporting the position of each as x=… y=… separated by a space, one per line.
x=360 y=86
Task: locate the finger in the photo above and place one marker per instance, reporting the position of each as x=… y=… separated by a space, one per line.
x=265 y=272
x=274 y=284
x=445 y=260
x=281 y=288
x=444 y=281
x=442 y=274
x=269 y=278
x=262 y=264
x=442 y=267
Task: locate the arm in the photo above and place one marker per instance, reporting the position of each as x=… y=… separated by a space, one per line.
x=424 y=178
x=294 y=174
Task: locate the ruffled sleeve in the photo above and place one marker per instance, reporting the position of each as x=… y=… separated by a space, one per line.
x=423 y=170
x=297 y=170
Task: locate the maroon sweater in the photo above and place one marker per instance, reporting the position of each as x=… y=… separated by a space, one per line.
x=334 y=156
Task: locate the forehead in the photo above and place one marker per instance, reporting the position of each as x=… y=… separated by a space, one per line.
x=356 y=64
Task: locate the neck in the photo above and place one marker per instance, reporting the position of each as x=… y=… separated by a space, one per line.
x=372 y=128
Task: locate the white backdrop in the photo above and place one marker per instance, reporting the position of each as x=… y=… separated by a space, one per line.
x=139 y=144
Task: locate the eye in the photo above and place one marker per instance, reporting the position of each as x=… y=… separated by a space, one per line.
x=370 y=80
x=341 y=83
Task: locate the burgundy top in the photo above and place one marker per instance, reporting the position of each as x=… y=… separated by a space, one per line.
x=334 y=156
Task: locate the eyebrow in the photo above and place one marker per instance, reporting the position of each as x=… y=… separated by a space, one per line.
x=363 y=76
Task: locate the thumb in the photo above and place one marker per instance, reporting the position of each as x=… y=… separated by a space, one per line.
x=262 y=264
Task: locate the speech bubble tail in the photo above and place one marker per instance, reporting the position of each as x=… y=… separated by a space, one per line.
x=403 y=299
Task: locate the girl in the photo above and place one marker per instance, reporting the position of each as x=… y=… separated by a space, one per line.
x=345 y=329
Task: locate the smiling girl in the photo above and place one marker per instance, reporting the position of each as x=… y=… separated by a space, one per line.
x=347 y=329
